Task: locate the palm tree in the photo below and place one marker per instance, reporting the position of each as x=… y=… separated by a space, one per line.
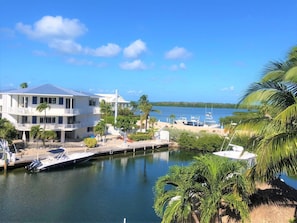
x=145 y=108
x=178 y=203
x=225 y=188
x=105 y=109
x=208 y=189
x=42 y=107
x=100 y=128
x=276 y=131
x=24 y=85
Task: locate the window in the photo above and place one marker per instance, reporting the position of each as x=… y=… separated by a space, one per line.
x=48 y=120
x=49 y=100
x=34 y=119
x=60 y=120
x=34 y=100
x=90 y=129
x=92 y=102
x=61 y=101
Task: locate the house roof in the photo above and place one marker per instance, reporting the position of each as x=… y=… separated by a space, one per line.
x=47 y=89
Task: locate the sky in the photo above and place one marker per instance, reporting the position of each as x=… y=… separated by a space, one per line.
x=192 y=50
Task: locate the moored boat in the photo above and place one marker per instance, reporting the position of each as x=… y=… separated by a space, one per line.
x=7 y=157
x=61 y=159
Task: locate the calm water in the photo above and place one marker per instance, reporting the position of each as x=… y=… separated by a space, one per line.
x=106 y=190
x=165 y=112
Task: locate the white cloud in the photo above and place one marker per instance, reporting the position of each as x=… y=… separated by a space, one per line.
x=135 y=49
x=134 y=65
x=176 y=67
x=60 y=33
x=79 y=62
x=109 y=50
x=230 y=88
x=66 y=46
x=49 y=27
x=177 y=53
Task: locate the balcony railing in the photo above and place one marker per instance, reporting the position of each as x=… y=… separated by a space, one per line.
x=50 y=112
x=54 y=126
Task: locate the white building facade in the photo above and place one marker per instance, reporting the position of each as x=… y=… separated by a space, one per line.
x=72 y=114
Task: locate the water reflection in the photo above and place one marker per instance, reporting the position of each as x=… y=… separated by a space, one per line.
x=108 y=190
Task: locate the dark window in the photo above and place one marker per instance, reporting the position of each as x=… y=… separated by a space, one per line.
x=34 y=119
x=61 y=101
x=34 y=100
x=60 y=120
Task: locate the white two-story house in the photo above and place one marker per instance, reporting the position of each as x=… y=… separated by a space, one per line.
x=72 y=114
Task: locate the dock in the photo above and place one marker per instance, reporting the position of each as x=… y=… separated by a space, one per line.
x=102 y=149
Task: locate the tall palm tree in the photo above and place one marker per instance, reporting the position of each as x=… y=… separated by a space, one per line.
x=145 y=108
x=43 y=107
x=277 y=131
x=178 y=203
x=208 y=189
x=105 y=109
x=24 y=85
x=225 y=188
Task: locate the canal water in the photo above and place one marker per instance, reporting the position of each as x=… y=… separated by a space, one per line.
x=105 y=190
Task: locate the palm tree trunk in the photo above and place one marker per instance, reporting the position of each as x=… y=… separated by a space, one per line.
x=196 y=220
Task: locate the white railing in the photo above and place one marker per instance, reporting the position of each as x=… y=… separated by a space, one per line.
x=48 y=126
x=49 y=112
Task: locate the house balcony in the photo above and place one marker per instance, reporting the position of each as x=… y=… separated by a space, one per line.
x=49 y=112
x=54 y=126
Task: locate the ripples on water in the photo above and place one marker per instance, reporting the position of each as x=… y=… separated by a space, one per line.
x=105 y=190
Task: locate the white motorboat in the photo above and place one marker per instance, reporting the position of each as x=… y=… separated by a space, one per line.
x=61 y=159
x=181 y=120
x=209 y=121
x=237 y=153
x=7 y=157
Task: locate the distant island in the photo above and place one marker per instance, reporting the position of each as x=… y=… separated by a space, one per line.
x=195 y=104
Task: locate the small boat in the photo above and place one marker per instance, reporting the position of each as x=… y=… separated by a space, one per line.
x=209 y=121
x=181 y=120
x=236 y=152
x=194 y=121
x=7 y=157
x=61 y=159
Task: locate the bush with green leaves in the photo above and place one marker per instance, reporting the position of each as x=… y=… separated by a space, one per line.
x=140 y=136
x=90 y=142
x=204 y=142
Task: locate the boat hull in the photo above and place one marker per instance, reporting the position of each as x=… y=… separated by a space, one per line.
x=52 y=163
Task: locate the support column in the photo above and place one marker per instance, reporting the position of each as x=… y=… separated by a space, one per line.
x=62 y=139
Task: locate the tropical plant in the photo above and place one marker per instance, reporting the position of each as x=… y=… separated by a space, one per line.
x=145 y=108
x=100 y=128
x=24 y=85
x=7 y=130
x=126 y=123
x=105 y=109
x=225 y=188
x=211 y=187
x=35 y=132
x=43 y=107
x=276 y=129
x=90 y=142
x=152 y=122
x=176 y=195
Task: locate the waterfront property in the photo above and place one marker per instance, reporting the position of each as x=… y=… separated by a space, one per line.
x=72 y=114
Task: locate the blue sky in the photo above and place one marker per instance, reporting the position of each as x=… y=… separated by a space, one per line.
x=191 y=50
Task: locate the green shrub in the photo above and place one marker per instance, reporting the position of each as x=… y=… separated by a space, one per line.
x=204 y=142
x=139 y=136
x=90 y=142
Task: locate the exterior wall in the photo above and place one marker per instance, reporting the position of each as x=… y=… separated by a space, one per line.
x=22 y=113
x=71 y=115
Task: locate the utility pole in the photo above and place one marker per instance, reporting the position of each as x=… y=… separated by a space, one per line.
x=116 y=107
